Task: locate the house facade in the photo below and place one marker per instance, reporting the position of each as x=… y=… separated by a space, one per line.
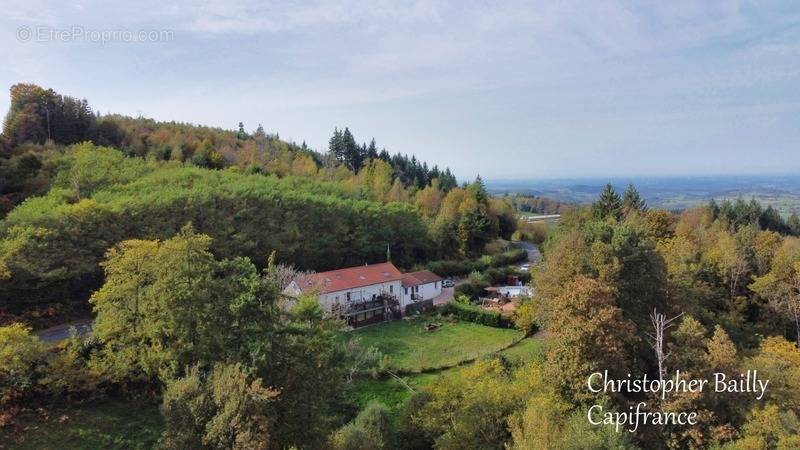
x=421 y=286
x=367 y=294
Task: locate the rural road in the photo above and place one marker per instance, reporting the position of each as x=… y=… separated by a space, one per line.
x=533 y=251
x=61 y=332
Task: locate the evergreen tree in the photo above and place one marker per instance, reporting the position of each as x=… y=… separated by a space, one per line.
x=353 y=155
x=714 y=208
x=259 y=133
x=793 y=224
x=335 y=145
x=771 y=220
x=372 y=150
x=608 y=204
x=631 y=201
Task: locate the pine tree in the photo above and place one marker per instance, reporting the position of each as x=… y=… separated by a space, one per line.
x=335 y=145
x=608 y=204
x=631 y=201
x=372 y=150
x=259 y=131
x=794 y=224
x=714 y=208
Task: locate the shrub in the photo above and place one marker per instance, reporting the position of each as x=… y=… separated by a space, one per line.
x=376 y=421
x=409 y=435
x=448 y=268
x=21 y=356
x=229 y=408
x=353 y=437
x=525 y=316
x=67 y=374
x=476 y=314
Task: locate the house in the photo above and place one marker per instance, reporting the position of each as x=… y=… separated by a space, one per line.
x=421 y=286
x=367 y=294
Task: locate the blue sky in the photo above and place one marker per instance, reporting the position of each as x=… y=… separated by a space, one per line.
x=505 y=89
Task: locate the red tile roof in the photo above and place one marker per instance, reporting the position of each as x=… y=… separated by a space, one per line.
x=349 y=278
x=420 y=277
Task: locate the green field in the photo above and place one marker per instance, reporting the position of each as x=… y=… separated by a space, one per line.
x=110 y=424
x=412 y=349
x=392 y=393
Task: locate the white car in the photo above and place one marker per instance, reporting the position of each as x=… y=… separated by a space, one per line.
x=448 y=283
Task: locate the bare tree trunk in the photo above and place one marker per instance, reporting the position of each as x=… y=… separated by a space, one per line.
x=796 y=327
x=660 y=325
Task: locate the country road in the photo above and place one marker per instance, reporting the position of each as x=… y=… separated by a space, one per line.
x=61 y=332
x=533 y=251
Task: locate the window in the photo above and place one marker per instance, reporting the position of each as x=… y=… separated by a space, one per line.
x=348 y=296
x=391 y=289
x=406 y=290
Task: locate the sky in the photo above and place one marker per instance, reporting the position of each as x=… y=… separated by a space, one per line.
x=507 y=90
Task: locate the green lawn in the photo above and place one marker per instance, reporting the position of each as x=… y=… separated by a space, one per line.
x=393 y=393
x=412 y=349
x=115 y=424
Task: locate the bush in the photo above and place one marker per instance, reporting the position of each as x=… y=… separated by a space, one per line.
x=525 y=317
x=352 y=437
x=371 y=429
x=67 y=375
x=376 y=421
x=475 y=314
x=21 y=357
x=409 y=435
x=447 y=268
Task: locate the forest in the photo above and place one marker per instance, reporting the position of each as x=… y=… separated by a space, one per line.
x=253 y=193
x=179 y=239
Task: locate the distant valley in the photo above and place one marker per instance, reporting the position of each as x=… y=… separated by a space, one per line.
x=672 y=193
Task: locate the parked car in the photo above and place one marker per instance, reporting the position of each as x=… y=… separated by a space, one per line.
x=448 y=283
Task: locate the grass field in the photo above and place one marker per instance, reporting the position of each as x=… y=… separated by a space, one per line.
x=411 y=348
x=392 y=392
x=108 y=425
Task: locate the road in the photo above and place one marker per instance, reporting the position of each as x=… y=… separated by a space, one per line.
x=533 y=251
x=61 y=332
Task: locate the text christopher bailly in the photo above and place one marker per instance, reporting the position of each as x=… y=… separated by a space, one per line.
x=639 y=414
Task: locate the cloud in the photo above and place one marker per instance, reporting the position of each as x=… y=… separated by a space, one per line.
x=567 y=74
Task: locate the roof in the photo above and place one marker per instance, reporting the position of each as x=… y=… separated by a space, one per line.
x=420 y=277
x=349 y=278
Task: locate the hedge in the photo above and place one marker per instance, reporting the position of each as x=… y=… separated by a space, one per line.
x=448 y=268
x=475 y=314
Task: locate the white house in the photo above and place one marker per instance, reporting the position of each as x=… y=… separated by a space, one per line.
x=421 y=286
x=367 y=294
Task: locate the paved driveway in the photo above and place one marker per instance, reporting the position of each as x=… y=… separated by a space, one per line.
x=444 y=297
